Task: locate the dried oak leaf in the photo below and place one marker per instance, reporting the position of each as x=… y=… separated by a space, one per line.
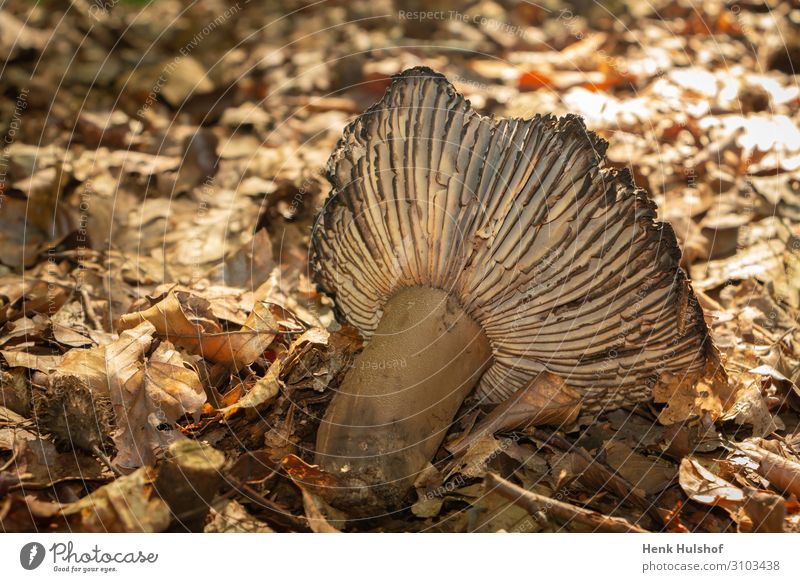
x=249 y=266
x=34 y=296
x=27 y=513
x=75 y=405
x=20 y=359
x=312 y=482
x=762 y=512
x=15 y=393
x=264 y=391
x=476 y=460
x=255 y=466
x=148 y=397
x=89 y=365
x=750 y=408
x=702 y=486
x=313 y=361
x=650 y=474
x=171 y=386
x=233 y=517
x=128 y=504
x=546 y=399
x=69 y=337
x=199 y=334
x=686 y=395
x=37 y=463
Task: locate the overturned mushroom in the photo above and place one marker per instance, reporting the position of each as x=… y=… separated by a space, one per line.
x=477 y=251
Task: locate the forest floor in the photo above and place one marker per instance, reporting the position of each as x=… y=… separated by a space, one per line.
x=161 y=170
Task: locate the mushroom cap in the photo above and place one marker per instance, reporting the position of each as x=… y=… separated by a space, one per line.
x=555 y=254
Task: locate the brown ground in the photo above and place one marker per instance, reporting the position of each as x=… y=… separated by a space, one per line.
x=159 y=177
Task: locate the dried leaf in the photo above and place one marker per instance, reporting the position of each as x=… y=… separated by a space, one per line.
x=128 y=504
x=762 y=512
x=233 y=517
x=652 y=475
x=264 y=391
x=679 y=395
x=703 y=486
x=43 y=363
x=750 y=408
x=783 y=474
x=475 y=462
x=316 y=510
x=137 y=436
x=40 y=465
x=307 y=475
x=171 y=386
x=88 y=366
x=547 y=399
x=205 y=337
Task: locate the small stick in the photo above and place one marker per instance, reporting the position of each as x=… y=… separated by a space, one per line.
x=8 y=463
x=565 y=512
x=88 y=311
x=106 y=461
x=278 y=514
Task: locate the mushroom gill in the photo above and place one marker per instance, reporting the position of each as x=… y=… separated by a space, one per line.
x=472 y=250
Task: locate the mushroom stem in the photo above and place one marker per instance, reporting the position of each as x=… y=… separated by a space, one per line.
x=397 y=402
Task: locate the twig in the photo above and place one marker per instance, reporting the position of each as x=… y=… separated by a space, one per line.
x=88 y=311
x=279 y=515
x=106 y=461
x=8 y=463
x=534 y=503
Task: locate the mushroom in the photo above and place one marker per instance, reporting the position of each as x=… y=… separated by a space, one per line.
x=472 y=251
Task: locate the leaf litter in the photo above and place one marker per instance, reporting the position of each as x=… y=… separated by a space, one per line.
x=154 y=286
